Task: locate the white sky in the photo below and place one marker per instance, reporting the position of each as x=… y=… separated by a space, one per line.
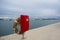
x=38 y=8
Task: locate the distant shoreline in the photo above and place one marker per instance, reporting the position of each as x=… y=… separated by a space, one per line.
x=31 y=18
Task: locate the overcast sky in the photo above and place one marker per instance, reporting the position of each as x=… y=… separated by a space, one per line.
x=33 y=8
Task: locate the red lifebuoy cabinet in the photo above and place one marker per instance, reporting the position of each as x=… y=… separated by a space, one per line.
x=24 y=23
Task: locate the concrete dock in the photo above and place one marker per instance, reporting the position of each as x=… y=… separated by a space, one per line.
x=49 y=32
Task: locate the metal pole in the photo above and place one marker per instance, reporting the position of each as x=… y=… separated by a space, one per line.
x=23 y=36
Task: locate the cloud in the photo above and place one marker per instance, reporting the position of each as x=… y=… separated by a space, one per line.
x=48 y=12
x=31 y=7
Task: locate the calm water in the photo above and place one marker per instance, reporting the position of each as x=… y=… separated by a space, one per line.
x=6 y=27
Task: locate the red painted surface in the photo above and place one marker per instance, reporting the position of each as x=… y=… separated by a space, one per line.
x=24 y=19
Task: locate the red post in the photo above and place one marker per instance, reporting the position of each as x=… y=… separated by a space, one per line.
x=24 y=23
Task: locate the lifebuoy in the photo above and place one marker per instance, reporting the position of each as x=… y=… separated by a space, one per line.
x=23 y=21
x=16 y=22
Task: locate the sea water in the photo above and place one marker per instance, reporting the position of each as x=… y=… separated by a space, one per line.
x=6 y=26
